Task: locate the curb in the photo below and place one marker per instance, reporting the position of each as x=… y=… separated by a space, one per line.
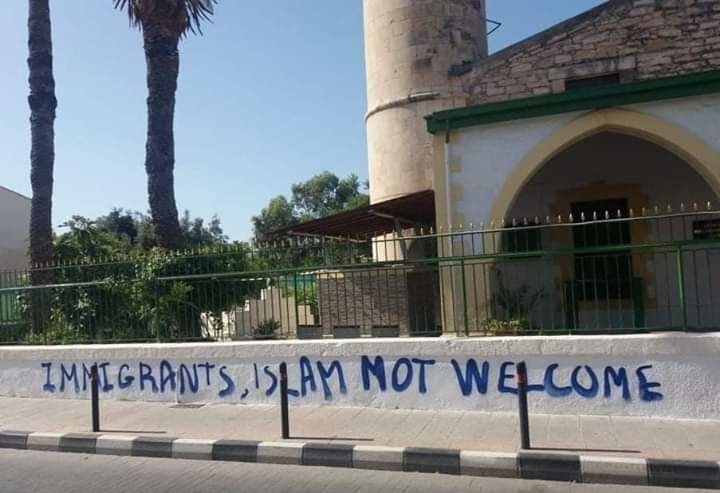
x=538 y=465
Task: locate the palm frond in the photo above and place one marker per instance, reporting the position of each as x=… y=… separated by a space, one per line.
x=183 y=15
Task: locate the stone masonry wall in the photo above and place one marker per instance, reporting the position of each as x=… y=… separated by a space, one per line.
x=364 y=299
x=380 y=302
x=410 y=46
x=639 y=39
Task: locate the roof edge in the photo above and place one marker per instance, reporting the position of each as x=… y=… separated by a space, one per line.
x=678 y=86
x=549 y=32
x=14 y=192
x=312 y=226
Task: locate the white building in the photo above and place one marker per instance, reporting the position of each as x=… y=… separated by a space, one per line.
x=14 y=227
x=609 y=117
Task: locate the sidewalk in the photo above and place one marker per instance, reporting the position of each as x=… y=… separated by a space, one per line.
x=607 y=436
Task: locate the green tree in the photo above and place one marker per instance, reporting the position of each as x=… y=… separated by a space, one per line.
x=196 y=233
x=121 y=223
x=108 y=286
x=163 y=23
x=278 y=214
x=85 y=239
x=326 y=194
x=138 y=231
x=320 y=196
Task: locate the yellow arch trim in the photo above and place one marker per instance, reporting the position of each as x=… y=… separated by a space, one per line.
x=693 y=150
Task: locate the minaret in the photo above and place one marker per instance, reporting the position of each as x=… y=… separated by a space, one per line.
x=410 y=48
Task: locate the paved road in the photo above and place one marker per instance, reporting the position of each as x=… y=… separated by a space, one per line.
x=50 y=472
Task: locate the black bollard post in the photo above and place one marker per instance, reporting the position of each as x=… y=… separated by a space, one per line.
x=95 y=401
x=284 y=401
x=521 y=372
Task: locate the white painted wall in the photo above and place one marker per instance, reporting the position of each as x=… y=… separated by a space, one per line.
x=482 y=158
x=654 y=175
x=699 y=115
x=612 y=160
x=14 y=227
x=486 y=155
x=671 y=375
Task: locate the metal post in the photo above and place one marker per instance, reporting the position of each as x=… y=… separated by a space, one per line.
x=95 y=401
x=523 y=406
x=284 y=401
x=464 y=297
x=681 y=287
x=296 y=297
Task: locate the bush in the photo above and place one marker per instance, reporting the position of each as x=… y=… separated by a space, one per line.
x=496 y=327
x=512 y=308
x=267 y=329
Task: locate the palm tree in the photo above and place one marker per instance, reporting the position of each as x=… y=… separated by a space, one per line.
x=42 y=117
x=42 y=104
x=163 y=23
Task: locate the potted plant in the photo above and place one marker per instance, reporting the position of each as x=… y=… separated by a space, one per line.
x=512 y=308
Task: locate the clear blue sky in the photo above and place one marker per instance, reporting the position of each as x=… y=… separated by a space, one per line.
x=272 y=94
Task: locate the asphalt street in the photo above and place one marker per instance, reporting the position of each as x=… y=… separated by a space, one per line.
x=52 y=472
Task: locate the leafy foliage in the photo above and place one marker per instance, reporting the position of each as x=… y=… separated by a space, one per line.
x=267 y=329
x=182 y=15
x=512 y=308
x=197 y=234
x=326 y=194
x=110 y=281
x=123 y=232
x=278 y=214
x=320 y=196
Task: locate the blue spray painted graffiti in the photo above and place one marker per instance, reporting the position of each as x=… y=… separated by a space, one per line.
x=472 y=378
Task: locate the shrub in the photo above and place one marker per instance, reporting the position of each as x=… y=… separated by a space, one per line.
x=267 y=329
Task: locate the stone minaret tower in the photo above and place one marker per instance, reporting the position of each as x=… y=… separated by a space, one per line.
x=410 y=48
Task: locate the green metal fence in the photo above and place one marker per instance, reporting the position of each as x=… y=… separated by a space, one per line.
x=602 y=273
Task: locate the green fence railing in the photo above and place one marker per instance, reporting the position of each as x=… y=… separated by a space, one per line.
x=613 y=275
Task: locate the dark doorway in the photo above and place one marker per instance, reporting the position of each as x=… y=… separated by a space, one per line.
x=603 y=273
x=423 y=293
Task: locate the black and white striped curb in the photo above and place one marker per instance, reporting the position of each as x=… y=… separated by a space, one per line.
x=554 y=466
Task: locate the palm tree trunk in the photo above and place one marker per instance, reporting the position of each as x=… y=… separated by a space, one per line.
x=162 y=58
x=42 y=154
